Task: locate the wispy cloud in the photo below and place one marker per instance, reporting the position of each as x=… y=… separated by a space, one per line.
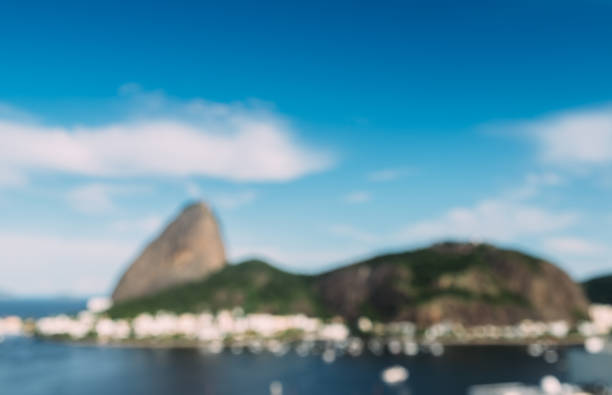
x=384 y=175
x=236 y=142
x=232 y=201
x=9 y=178
x=60 y=263
x=492 y=220
x=572 y=138
x=99 y=197
x=353 y=233
x=8 y=112
x=194 y=191
x=574 y=246
x=145 y=225
x=92 y=198
x=227 y=200
x=358 y=197
x=533 y=184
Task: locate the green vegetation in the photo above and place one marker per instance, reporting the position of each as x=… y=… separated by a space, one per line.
x=599 y=289
x=426 y=267
x=253 y=285
x=429 y=264
x=396 y=285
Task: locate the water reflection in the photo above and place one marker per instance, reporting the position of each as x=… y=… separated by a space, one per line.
x=29 y=367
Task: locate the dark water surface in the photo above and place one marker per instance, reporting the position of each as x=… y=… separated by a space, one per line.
x=36 y=308
x=32 y=367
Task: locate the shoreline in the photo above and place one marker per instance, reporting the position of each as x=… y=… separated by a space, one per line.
x=169 y=344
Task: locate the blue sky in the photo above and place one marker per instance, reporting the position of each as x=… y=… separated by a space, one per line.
x=318 y=133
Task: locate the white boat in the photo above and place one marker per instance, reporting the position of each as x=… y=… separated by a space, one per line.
x=549 y=385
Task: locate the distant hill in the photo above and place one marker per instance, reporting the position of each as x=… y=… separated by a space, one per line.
x=599 y=289
x=472 y=284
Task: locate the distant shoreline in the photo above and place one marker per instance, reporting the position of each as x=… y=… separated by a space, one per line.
x=182 y=344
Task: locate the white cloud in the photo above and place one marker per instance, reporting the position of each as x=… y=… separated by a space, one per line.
x=8 y=112
x=233 y=142
x=574 y=138
x=574 y=246
x=43 y=264
x=235 y=200
x=92 y=198
x=98 y=197
x=146 y=225
x=493 y=220
x=533 y=184
x=581 y=256
x=227 y=200
x=10 y=178
x=194 y=191
x=358 y=197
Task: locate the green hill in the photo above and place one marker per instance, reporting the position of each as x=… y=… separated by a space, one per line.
x=469 y=283
x=599 y=289
x=473 y=284
x=253 y=285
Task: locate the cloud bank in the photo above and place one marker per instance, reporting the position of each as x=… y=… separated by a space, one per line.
x=231 y=142
x=490 y=220
x=574 y=138
x=76 y=265
x=575 y=246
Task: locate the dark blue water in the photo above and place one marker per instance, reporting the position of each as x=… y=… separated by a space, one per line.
x=29 y=366
x=36 y=308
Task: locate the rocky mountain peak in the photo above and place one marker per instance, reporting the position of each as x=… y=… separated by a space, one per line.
x=188 y=249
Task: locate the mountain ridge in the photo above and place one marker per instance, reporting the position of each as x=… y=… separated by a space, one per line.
x=464 y=282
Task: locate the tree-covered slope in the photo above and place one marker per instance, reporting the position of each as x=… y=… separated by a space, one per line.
x=468 y=283
x=254 y=286
x=599 y=289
